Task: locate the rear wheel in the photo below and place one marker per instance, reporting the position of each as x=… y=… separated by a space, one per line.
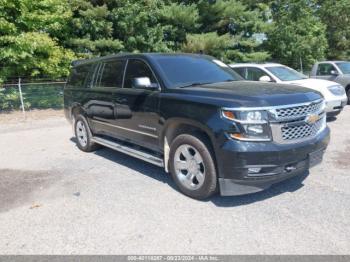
x=83 y=135
x=348 y=94
x=192 y=166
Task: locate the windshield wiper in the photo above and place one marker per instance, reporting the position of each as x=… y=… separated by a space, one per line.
x=195 y=84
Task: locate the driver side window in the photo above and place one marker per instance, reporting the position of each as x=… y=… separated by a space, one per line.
x=137 y=69
x=325 y=69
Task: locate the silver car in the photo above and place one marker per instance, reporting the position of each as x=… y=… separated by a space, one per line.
x=337 y=71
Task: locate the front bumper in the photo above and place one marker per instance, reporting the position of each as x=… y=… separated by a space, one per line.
x=249 y=167
x=334 y=107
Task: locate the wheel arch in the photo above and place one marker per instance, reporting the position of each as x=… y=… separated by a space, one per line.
x=347 y=88
x=177 y=126
x=76 y=109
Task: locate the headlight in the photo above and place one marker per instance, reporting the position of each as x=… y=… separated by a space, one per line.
x=323 y=105
x=337 y=90
x=253 y=125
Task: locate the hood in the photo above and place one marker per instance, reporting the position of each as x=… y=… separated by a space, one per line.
x=247 y=94
x=315 y=84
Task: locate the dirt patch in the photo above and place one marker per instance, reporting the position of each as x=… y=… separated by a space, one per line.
x=17 y=187
x=37 y=114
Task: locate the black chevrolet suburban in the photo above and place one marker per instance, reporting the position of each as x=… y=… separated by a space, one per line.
x=196 y=118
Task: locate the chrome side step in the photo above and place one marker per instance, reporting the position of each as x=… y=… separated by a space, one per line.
x=129 y=151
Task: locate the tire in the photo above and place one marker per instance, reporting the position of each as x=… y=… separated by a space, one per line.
x=348 y=94
x=83 y=135
x=192 y=166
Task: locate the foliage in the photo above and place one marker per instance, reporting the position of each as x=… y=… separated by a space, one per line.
x=297 y=33
x=336 y=16
x=178 y=21
x=234 y=18
x=42 y=37
x=209 y=43
x=33 y=54
x=136 y=24
x=28 y=44
x=91 y=31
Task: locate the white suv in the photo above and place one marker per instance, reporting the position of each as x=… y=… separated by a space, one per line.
x=333 y=92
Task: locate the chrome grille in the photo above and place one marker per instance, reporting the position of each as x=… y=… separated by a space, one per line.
x=297 y=111
x=290 y=125
x=302 y=131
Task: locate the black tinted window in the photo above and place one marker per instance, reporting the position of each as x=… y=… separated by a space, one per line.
x=111 y=74
x=137 y=68
x=241 y=71
x=181 y=70
x=78 y=75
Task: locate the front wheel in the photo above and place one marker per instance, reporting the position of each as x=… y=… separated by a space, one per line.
x=192 y=166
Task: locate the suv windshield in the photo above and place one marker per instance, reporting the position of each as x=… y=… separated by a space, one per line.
x=182 y=70
x=344 y=67
x=285 y=73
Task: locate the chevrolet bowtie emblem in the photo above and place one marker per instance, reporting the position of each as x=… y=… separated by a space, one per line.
x=312 y=119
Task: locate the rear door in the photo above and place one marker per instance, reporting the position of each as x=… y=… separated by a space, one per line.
x=104 y=83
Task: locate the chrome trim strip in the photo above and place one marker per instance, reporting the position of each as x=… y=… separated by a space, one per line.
x=129 y=151
x=250 y=139
x=124 y=128
x=271 y=107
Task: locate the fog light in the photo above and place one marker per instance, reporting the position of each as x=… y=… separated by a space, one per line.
x=254 y=170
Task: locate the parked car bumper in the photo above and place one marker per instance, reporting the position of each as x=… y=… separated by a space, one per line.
x=335 y=106
x=247 y=167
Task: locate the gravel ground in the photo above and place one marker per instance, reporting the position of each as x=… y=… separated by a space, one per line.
x=55 y=199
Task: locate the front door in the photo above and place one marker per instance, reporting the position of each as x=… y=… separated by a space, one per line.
x=324 y=71
x=137 y=108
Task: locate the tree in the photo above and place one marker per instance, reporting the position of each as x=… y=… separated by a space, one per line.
x=91 y=29
x=28 y=46
x=178 y=20
x=297 y=33
x=336 y=16
x=234 y=19
x=208 y=43
x=136 y=24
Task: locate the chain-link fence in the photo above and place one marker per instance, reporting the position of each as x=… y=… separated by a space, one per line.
x=40 y=94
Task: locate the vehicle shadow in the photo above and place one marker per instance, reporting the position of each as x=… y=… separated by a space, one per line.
x=137 y=165
x=331 y=119
x=290 y=185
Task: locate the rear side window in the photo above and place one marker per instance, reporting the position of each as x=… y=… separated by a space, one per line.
x=111 y=74
x=78 y=76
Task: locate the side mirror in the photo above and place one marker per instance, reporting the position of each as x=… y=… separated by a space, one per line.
x=265 y=79
x=143 y=82
x=334 y=73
